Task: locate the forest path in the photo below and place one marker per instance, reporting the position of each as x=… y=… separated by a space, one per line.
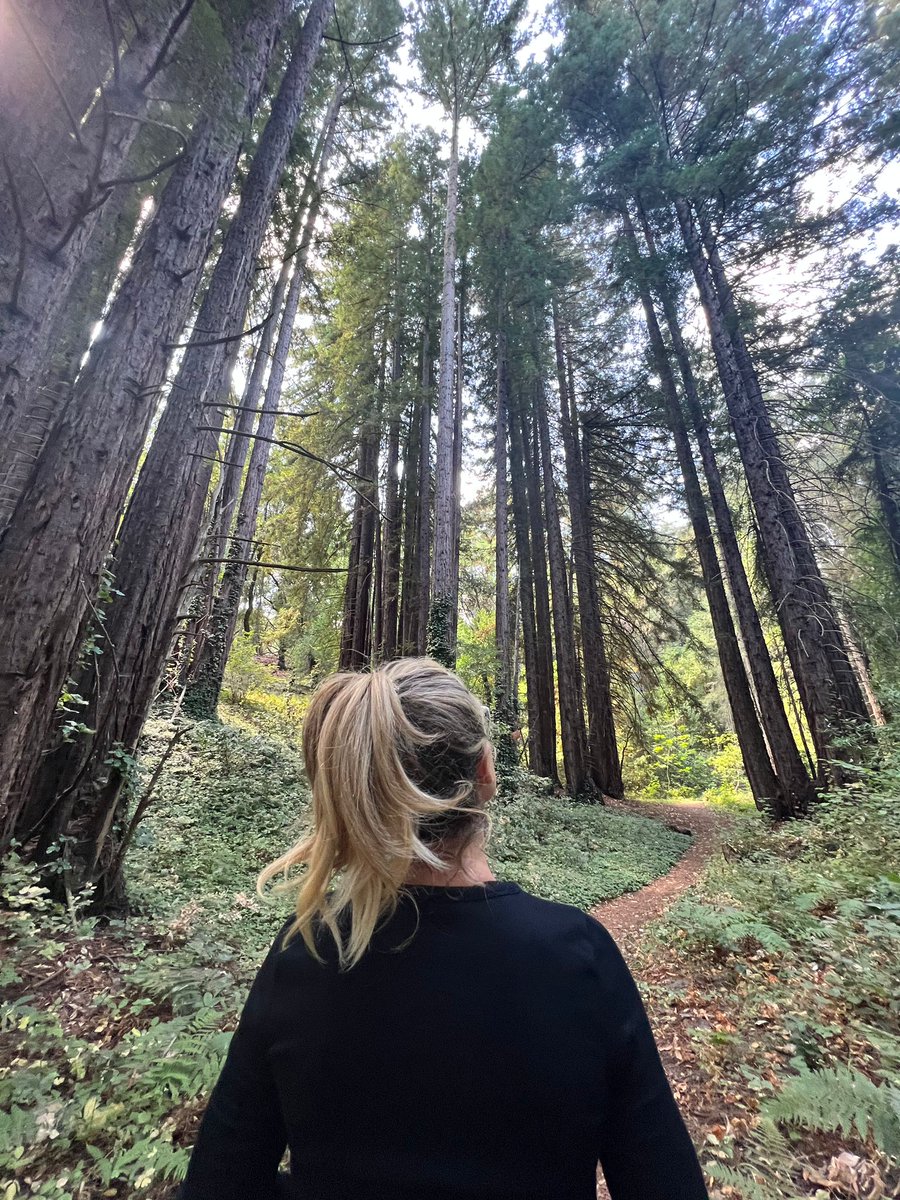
x=627 y=916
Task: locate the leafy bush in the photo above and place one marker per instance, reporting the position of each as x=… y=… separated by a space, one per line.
x=243 y=672
x=95 y=1083
x=679 y=764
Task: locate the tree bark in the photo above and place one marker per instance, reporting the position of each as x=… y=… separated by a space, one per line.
x=604 y=753
x=540 y=760
x=787 y=761
x=160 y=530
x=829 y=691
x=392 y=513
x=56 y=223
x=545 y=740
x=424 y=529
x=228 y=494
x=202 y=695
x=55 y=376
x=412 y=495
x=766 y=788
x=440 y=622
x=504 y=700
x=53 y=551
x=571 y=713
x=456 y=497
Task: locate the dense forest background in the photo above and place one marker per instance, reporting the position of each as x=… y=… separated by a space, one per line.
x=557 y=342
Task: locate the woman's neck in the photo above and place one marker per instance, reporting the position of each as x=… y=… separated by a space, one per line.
x=468 y=871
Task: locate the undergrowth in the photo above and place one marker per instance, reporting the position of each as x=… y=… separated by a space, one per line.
x=112 y=1037
x=578 y=853
x=797 y=930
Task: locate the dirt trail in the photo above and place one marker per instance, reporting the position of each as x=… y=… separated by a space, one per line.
x=626 y=916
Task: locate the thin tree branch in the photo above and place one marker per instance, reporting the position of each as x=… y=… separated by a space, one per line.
x=233 y=337
x=114 y=43
x=329 y=37
x=37 y=170
x=160 y=61
x=254 y=562
x=244 y=408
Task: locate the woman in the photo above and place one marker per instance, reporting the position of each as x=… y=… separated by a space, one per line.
x=420 y=1030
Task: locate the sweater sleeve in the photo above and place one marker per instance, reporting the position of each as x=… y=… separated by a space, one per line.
x=242 y=1136
x=646 y=1152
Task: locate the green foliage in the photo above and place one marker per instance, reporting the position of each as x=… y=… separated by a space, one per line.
x=111 y=1066
x=244 y=671
x=94 y=1086
x=438 y=625
x=578 y=853
x=679 y=764
x=226 y=804
x=801 y=924
x=839 y=1099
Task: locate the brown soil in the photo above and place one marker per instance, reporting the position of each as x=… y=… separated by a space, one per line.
x=628 y=915
x=627 y=918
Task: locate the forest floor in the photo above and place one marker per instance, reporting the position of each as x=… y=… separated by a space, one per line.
x=627 y=916
x=766 y=959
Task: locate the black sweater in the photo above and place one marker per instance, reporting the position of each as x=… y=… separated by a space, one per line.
x=496 y=1055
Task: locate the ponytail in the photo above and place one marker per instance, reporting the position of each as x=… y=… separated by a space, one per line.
x=391 y=758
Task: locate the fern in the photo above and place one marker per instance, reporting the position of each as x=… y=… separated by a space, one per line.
x=840 y=1100
x=747 y=1186
x=17 y=1127
x=767 y=1170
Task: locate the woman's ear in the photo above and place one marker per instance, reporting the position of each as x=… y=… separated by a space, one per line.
x=485 y=777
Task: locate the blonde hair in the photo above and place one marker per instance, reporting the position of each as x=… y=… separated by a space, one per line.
x=392 y=758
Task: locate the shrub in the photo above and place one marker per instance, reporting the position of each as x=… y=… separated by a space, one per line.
x=242 y=671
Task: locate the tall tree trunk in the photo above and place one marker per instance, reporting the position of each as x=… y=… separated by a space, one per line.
x=57 y=219
x=766 y=788
x=202 y=695
x=53 y=551
x=571 y=713
x=541 y=756
x=349 y=614
x=544 y=682
x=457 y=461
x=360 y=647
x=424 y=528
x=604 y=753
x=55 y=57
x=440 y=622
x=787 y=761
x=829 y=691
x=226 y=499
x=88 y=295
x=861 y=666
x=392 y=513
x=160 y=530
x=504 y=700
x=412 y=498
